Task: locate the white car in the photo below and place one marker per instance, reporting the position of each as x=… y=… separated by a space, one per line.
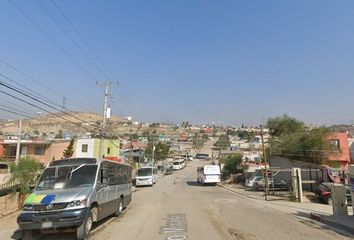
x=250 y=182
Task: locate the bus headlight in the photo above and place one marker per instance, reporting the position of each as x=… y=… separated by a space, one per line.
x=28 y=208
x=77 y=203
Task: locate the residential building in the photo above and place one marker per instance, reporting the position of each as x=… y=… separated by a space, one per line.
x=91 y=147
x=45 y=151
x=340 y=141
x=42 y=150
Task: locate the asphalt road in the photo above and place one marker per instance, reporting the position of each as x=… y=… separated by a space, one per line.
x=178 y=208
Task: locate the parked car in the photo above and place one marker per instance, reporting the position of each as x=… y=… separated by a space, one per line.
x=250 y=181
x=273 y=184
x=323 y=193
x=168 y=171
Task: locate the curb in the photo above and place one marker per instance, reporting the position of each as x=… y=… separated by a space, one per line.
x=316 y=217
x=331 y=223
x=237 y=192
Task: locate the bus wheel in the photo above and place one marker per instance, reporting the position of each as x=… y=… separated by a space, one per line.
x=83 y=232
x=120 y=207
x=27 y=235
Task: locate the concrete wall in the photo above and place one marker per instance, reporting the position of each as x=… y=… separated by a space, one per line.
x=308 y=171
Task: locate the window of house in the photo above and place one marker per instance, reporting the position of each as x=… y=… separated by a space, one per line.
x=108 y=150
x=39 y=150
x=335 y=143
x=84 y=148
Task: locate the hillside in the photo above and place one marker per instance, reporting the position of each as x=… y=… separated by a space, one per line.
x=52 y=123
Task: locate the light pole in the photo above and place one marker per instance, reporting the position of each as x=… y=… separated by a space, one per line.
x=18 y=142
x=266 y=186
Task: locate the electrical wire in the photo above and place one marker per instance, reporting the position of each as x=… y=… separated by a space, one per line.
x=14 y=112
x=112 y=76
x=51 y=39
x=71 y=39
x=82 y=38
x=43 y=109
x=34 y=98
x=39 y=82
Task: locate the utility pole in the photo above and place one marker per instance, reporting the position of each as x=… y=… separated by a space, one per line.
x=18 y=142
x=153 y=156
x=64 y=103
x=105 y=116
x=265 y=167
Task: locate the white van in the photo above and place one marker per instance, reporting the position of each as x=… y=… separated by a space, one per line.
x=178 y=164
x=74 y=193
x=146 y=176
x=209 y=174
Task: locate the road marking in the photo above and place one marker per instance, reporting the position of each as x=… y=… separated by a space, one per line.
x=175 y=228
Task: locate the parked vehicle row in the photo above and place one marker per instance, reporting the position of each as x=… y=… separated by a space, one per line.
x=257 y=183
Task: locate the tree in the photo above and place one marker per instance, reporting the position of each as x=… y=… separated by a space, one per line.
x=145 y=133
x=223 y=142
x=284 y=125
x=69 y=151
x=59 y=135
x=185 y=124
x=198 y=142
x=24 y=174
x=133 y=136
x=161 y=150
x=232 y=164
x=205 y=137
x=307 y=146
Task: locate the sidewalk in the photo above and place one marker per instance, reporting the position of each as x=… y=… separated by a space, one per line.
x=308 y=210
x=8 y=226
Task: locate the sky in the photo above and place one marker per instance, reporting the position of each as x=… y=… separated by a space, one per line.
x=203 y=61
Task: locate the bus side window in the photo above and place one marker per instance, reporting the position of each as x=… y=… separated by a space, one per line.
x=103 y=174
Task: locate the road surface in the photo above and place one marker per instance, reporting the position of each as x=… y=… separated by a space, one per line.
x=178 y=208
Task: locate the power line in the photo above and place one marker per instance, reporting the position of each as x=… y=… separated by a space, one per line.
x=30 y=90
x=17 y=106
x=16 y=112
x=38 y=82
x=92 y=51
x=41 y=108
x=67 y=54
x=33 y=98
x=82 y=38
x=71 y=39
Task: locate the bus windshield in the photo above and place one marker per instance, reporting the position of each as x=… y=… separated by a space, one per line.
x=67 y=177
x=144 y=172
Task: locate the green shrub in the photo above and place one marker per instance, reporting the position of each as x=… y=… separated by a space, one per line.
x=25 y=174
x=232 y=164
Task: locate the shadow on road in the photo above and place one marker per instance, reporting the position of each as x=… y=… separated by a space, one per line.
x=17 y=235
x=196 y=184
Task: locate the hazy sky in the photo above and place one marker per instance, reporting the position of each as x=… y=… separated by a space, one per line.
x=204 y=61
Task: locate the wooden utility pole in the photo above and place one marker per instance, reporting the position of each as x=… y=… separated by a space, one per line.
x=266 y=185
